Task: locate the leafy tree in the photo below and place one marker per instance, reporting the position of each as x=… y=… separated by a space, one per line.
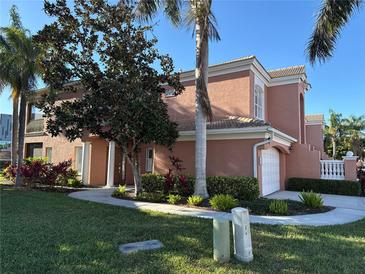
x=333 y=15
x=101 y=46
x=198 y=15
x=19 y=68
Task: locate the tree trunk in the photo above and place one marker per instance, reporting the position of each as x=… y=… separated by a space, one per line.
x=23 y=104
x=137 y=177
x=201 y=74
x=133 y=160
x=123 y=166
x=333 y=148
x=14 y=139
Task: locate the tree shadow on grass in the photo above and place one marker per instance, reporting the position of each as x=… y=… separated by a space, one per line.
x=49 y=232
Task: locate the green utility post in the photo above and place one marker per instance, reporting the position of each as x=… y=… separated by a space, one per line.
x=221 y=240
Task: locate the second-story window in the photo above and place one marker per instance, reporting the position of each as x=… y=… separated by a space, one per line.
x=35 y=119
x=259 y=102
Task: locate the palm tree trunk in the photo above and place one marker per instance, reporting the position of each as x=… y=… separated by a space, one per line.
x=14 y=139
x=23 y=104
x=201 y=74
x=333 y=148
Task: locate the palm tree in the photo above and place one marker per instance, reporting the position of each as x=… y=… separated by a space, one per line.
x=333 y=130
x=197 y=14
x=19 y=68
x=8 y=78
x=354 y=127
x=333 y=15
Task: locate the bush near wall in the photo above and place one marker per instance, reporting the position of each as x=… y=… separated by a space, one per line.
x=240 y=187
x=152 y=182
x=339 y=187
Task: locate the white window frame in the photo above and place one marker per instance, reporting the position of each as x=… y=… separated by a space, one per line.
x=49 y=149
x=149 y=161
x=76 y=167
x=259 y=98
x=259 y=103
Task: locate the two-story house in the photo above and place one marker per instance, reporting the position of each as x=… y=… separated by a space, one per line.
x=259 y=129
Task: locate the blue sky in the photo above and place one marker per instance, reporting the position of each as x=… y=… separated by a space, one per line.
x=275 y=31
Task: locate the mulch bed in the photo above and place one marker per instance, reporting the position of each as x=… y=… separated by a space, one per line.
x=256 y=207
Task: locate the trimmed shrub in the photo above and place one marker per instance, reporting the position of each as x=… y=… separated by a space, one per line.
x=311 y=199
x=240 y=187
x=152 y=183
x=151 y=197
x=278 y=207
x=223 y=202
x=119 y=192
x=195 y=200
x=173 y=199
x=340 y=187
x=74 y=182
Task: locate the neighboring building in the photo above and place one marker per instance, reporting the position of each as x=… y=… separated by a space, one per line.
x=259 y=129
x=5 y=127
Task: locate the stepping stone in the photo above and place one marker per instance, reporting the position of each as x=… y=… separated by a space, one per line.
x=138 y=246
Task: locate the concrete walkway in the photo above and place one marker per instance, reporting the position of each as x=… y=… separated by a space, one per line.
x=340 y=215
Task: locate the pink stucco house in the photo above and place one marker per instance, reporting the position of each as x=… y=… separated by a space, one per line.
x=259 y=129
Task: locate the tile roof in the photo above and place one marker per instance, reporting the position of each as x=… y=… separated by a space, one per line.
x=314 y=117
x=289 y=71
x=229 y=122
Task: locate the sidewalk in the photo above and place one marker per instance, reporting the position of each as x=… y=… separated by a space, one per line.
x=334 y=217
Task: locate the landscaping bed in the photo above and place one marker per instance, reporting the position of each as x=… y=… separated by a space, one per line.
x=259 y=206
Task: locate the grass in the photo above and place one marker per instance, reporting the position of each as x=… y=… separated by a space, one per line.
x=52 y=233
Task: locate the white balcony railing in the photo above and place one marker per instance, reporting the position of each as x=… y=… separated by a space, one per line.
x=332 y=169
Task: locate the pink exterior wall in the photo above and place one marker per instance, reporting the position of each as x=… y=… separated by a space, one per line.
x=229 y=94
x=284 y=110
x=302 y=162
x=62 y=149
x=224 y=157
x=314 y=135
x=350 y=169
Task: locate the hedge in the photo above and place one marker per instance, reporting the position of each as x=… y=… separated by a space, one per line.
x=240 y=187
x=340 y=187
x=152 y=182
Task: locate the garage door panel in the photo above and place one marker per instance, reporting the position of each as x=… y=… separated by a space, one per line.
x=270 y=171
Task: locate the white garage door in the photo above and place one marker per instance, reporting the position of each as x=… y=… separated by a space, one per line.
x=270 y=171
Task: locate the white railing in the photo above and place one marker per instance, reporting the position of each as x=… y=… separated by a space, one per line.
x=332 y=169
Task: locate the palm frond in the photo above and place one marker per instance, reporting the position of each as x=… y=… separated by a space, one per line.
x=333 y=15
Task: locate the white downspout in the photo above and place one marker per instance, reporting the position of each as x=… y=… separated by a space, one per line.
x=268 y=140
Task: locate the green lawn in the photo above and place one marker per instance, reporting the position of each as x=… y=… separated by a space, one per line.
x=51 y=233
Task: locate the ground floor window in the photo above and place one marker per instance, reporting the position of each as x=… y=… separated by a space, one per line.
x=34 y=150
x=49 y=154
x=78 y=160
x=149 y=159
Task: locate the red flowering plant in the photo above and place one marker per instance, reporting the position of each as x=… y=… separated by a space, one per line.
x=38 y=171
x=33 y=171
x=175 y=180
